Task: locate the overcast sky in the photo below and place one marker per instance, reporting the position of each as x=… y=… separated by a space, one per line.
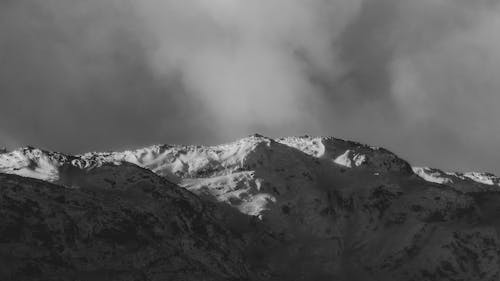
x=421 y=78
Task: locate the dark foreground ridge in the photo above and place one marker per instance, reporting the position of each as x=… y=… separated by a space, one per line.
x=257 y=209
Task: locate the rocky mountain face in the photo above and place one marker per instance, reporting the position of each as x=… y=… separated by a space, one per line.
x=298 y=208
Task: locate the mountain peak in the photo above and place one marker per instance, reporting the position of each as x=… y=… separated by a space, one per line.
x=180 y=160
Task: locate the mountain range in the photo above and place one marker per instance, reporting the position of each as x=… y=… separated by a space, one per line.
x=295 y=208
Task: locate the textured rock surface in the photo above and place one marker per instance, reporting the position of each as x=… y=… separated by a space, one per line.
x=298 y=208
x=147 y=229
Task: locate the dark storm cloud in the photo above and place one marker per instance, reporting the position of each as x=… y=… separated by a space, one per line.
x=74 y=76
x=433 y=62
x=418 y=77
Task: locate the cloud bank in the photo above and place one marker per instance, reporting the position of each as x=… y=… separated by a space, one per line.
x=417 y=77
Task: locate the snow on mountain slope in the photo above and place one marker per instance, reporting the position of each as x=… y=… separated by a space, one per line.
x=465 y=182
x=32 y=162
x=349 y=154
x=314 y=208
x=178 y=162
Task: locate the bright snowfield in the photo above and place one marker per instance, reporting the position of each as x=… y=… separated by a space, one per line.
x=297 y=208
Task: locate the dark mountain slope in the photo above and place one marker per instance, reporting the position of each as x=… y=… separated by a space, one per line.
x=148 y=230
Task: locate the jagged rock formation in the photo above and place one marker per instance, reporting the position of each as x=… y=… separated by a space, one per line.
x=298 y=208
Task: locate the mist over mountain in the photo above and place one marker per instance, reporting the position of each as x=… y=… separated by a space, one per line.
x=294 y=208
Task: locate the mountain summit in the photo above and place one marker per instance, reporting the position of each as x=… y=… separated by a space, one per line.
x=295 y=208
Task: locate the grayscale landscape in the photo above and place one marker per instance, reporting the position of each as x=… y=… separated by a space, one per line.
x=249 y=140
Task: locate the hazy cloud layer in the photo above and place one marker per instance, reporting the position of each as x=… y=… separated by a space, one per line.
x=417 y=77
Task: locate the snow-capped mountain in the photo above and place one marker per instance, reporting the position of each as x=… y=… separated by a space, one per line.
x=297 y=208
